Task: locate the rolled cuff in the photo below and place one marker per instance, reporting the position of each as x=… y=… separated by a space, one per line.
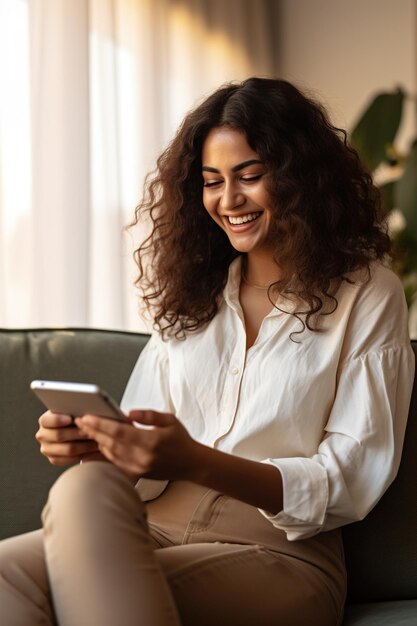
x=305 y=497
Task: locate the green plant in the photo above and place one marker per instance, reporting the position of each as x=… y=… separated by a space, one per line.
x=395 y=173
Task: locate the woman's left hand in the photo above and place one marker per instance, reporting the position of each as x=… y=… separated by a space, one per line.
x=164 y=451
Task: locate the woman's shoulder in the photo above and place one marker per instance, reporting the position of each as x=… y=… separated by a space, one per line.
x=373 y=305
x=379 y=282
x=381 y=275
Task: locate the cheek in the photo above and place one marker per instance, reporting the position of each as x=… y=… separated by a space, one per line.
x=210 y=206
x=264 y=199
x=269 y=227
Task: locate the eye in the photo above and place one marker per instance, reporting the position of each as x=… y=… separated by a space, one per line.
x=250 y=179
x=211 y=183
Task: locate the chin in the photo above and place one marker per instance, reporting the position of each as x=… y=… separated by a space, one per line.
x=246 y=247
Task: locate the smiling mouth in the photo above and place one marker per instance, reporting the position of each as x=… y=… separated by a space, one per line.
x=243 y=219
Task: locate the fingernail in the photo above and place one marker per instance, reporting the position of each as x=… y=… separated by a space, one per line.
x=65 y=419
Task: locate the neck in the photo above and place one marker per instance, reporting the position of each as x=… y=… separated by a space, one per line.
x=260 y=270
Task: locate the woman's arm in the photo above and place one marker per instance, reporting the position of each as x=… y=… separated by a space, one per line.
x=168 y=452
x=258 y=484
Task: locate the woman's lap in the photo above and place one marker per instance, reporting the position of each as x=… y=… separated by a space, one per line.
x=212 y=578
x=233 y=566
x=210 y=582
x=245 y=585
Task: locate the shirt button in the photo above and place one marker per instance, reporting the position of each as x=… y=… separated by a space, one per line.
x=234 y=370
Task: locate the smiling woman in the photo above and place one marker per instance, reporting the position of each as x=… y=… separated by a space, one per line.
x=237 y=198
x=264 y=162
x=275 y=390
x=235 y=192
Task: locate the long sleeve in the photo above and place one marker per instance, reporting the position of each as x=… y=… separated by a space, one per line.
x=359 y=454
x=148 y=385
x=148 y=388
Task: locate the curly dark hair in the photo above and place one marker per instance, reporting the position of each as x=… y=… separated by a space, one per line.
x=327 y=217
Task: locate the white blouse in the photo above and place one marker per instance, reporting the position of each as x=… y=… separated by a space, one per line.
x=329 y=412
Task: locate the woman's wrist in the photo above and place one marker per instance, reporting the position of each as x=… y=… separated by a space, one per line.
x=201 y=464
x=253 y=482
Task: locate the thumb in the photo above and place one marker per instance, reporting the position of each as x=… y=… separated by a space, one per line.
x=148 y=418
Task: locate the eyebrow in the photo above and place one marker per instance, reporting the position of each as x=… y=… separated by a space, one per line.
x=236 y=168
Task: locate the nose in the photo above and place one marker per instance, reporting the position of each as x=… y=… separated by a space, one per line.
x=232 y=197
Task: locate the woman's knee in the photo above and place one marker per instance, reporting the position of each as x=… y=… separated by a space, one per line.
x=86 y=480
x=88 y=488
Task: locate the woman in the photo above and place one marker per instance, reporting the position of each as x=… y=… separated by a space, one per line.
x=270 y=403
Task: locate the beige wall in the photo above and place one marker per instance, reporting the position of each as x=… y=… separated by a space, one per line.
x=344 y=50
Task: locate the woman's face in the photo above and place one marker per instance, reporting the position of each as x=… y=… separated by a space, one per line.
x=235 y=193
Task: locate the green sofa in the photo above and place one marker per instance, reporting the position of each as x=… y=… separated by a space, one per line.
x=381 y=551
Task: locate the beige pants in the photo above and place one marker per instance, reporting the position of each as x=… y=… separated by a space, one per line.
x=193 y=557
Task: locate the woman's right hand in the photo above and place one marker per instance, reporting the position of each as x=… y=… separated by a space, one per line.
x=61 y=442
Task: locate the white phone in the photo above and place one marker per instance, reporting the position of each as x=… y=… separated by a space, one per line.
x=76 y=399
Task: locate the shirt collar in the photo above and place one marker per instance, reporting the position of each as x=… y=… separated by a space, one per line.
x=231 y=291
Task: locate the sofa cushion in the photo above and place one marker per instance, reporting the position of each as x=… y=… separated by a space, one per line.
x=403 y=613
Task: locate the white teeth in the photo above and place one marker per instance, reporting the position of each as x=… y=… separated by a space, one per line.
x=244 y=218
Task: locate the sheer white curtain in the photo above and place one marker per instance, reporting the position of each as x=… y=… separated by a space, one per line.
x=91 y=91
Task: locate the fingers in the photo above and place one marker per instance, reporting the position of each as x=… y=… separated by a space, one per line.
x=113 y=436
x=119 y=442
x=68 y=452
x=151 y=418
x=55 y=427
x=59 y=435
x=54 y=420
x=63 y=460
x=104 y=431
x=60 y=440
x=153 y=450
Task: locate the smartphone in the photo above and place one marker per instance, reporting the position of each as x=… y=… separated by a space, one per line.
x=76 y=399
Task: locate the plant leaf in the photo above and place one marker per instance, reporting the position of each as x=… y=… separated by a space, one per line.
x=387 y=197
x=377 y=127
x=405 y=191
x=404 y=254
